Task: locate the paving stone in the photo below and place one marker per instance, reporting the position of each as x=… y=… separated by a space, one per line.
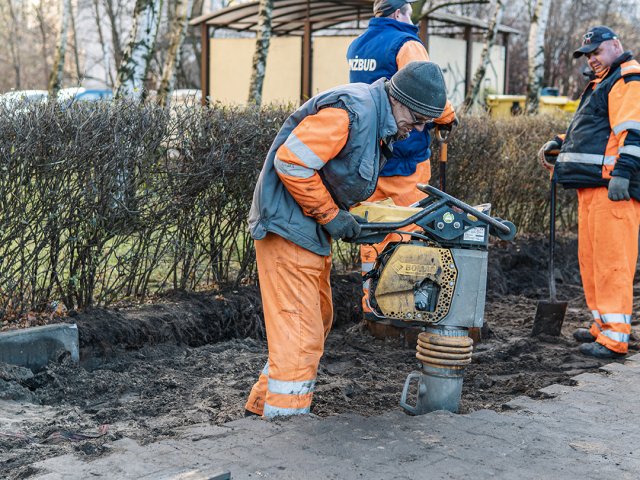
x=587 y=431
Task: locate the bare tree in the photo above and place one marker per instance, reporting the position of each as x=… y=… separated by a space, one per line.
x=112 y=14
x=14 y=43
x=134 y=67
x=536 y=53
x=103 y=45
x=177 y=34
x=42 y=26
x=489 y=41
x=263 y=37
x=76 y=54
x=423 y=8
x=57 y=72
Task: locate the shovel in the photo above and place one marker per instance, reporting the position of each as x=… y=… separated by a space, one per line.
x=550 y=314
x=443 y=137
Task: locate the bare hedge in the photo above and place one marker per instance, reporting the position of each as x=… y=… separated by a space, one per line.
x=495 y=161
x=105 y=202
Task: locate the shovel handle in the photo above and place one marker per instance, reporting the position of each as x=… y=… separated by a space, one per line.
x=552 y=239
x=442 y=136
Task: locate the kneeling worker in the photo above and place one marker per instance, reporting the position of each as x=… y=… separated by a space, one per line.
x=326 y=158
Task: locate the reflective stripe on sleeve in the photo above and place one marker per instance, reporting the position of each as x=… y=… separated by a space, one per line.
x=628 y=125
x=304 y=153
x=265 y=369
x=632 y=150
x=629 y=69
x=596 y=314
x=292 y=170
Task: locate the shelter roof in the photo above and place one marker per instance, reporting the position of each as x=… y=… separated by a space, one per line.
x=290 y=16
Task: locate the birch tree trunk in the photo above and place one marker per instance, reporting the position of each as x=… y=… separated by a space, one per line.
x=536 y=53
x=177 y=34
x=489 y=41
x=263 y=37
x=132 y=71
x=57 y=71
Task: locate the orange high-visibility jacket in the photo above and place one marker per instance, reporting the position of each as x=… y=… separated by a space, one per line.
x=603 y=138
x=316 y=187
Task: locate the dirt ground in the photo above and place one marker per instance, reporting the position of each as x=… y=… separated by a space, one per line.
x=192 y=358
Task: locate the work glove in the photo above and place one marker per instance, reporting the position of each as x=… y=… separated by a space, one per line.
x=548 y=154
x=619 y=189
x=448 y=128
x=343 y=226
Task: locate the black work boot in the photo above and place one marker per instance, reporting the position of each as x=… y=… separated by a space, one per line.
x=599 y=351
x=583 y=335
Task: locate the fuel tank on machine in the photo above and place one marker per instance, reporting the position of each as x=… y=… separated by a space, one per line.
x=421 y=284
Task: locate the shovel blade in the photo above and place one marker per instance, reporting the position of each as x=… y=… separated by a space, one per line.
x=549 y=318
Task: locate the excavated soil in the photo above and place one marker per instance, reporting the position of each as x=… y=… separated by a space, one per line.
x=192 y=358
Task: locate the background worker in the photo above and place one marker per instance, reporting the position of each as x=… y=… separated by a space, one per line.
x=326 y=158
x=600 y=157
x=390 y=43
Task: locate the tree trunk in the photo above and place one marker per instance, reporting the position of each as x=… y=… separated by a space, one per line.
x=57 y=72
x=115 y=34
x=132 y=71
x=14 y=44
x=489 y=41
x=76 y=54
x=263 y=37
x=536 y=53
x=108 y=78
x=43 y=34
x=177 y=34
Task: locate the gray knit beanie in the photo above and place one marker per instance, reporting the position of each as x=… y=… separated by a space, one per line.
x=420 y=86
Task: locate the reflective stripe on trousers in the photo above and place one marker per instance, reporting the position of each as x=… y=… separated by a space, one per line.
x=607 y=252
x=296 y=300
x=596 y=326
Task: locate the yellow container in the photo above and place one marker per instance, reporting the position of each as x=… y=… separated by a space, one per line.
x=504 y=106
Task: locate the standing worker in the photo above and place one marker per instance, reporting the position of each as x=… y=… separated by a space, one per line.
x=326 y=157
x=390 y=43
x=600 y=157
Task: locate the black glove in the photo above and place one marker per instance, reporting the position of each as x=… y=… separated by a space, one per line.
x=344 y=226
x=619 y=189
x=548 y=154
x=448 y=128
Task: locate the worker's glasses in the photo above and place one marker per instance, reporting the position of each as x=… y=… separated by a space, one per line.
x=417 y=121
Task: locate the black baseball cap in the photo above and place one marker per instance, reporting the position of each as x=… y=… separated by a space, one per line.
x=384 y=8
x=593 y=38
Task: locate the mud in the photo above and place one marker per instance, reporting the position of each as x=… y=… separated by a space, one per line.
x=191 y=358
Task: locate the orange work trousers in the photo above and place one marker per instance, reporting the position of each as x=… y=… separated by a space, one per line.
x=403 y=192
x=607 y=252
x=298 y=313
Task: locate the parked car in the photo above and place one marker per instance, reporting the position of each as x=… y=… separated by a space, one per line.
x=20 y=98
x=67 y=96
